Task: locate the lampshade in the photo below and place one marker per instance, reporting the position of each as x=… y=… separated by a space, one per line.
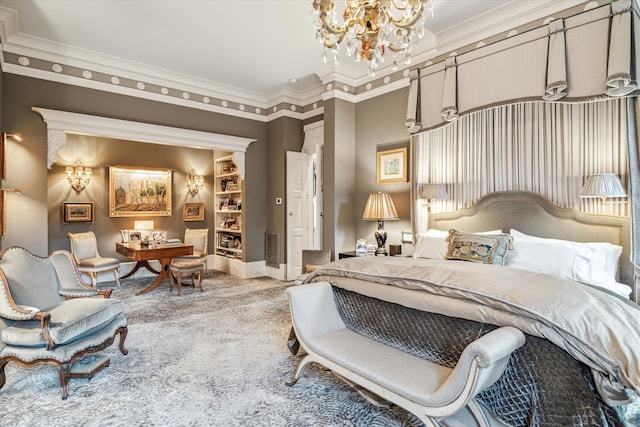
x=433 y=191
x=143 y=225
x=603 y=185
x=379 y=206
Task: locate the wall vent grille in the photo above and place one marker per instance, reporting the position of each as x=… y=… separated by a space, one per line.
x=272 y=242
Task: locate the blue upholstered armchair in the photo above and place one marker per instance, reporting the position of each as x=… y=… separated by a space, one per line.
x=49 y=315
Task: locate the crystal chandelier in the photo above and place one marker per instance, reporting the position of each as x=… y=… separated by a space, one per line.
x=370 y=27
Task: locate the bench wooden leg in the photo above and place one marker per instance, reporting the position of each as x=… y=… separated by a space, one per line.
x=303 y=364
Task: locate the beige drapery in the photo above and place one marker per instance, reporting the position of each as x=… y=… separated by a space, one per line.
x=547 y=148
x=592 y=50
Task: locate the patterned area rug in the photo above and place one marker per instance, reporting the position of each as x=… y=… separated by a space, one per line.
x=217 y=358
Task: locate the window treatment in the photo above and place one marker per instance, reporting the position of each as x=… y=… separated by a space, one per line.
x=585 y=57
x=547 y=148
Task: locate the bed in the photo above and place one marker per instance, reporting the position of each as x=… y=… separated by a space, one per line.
x=580 y=365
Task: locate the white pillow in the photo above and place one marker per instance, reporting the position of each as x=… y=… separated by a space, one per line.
x=432 y=244
x=593 y=263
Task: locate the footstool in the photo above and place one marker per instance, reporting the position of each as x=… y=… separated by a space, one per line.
x=179 y=270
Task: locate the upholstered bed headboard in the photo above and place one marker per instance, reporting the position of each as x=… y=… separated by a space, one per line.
x=534 y=214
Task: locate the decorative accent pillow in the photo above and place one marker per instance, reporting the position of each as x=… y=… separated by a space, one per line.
x=484 y=248
x=433 y=244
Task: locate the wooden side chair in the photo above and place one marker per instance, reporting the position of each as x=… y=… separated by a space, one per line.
x=191 y=265
x=84 y=248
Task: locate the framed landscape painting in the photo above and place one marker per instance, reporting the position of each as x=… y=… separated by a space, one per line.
x=136 y=191
x=193 y=212
x=76 y=212
x=392 y=166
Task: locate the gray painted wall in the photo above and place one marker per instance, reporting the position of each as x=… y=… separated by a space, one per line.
x=353 y=133
x=284 y=134
x=380 y=126
x=28 y=215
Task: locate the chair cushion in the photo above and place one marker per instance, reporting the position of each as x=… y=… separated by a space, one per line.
x=186 y=266
x=98 y=262
x=70 y=320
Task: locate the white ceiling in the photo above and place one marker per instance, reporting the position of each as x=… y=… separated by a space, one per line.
x=253 y=47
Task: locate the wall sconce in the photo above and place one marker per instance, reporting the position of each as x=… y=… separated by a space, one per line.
x=78 y=176
x=430 y=192
x=195 y=182
x=16 y=136
x=603 y=185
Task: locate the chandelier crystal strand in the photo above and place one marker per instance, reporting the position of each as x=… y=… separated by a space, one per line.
x=370 y=27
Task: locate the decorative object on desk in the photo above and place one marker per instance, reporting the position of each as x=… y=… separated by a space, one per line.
x=158 y=236
x=195 y=182
x=392 y=166
x=134 y=236
x=77 y=212
x=361 y=246
x=193 y=212
x=429 y=192
x=144 y=228
x=136 y=192
x=603 y=185
x=380 y=207
x=125 y=236
x=78 y=176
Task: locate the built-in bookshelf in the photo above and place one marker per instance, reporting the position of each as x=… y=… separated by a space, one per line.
x=228 y=209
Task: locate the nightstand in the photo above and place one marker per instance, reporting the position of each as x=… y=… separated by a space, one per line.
x=352 y=254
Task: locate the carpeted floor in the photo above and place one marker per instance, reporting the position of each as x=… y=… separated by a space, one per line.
x=216 y=358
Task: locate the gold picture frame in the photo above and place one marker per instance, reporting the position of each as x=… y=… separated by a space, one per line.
x=74 y=212
x=391 y=166
x=137 y=191
x=193 y=212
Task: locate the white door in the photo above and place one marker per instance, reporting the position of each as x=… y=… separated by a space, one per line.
x=297 y=211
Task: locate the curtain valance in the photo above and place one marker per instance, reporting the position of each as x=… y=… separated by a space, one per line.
x=588 y=56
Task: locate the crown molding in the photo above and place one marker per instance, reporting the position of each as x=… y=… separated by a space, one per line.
x=59 y=123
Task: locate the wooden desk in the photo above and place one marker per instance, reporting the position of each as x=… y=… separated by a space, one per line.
x=142 y=255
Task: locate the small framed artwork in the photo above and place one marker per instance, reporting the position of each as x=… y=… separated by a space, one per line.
x=392 y=166
x=125 y=236
x=77 y=212
x=135 y=236
x=193 y=212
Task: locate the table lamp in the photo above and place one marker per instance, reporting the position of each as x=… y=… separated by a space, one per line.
x=380 y=207
x=603 y=185
x=429 y=192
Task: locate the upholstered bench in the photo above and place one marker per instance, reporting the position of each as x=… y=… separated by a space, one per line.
x=428 y=390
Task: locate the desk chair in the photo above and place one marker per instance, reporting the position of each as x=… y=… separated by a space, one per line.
x=84 y=248
x=190 y=265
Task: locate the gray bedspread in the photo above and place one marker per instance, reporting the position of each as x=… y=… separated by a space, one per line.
x=596 y=329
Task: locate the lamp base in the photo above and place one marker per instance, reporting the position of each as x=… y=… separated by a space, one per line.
x=381 y=251
x=381 y=238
